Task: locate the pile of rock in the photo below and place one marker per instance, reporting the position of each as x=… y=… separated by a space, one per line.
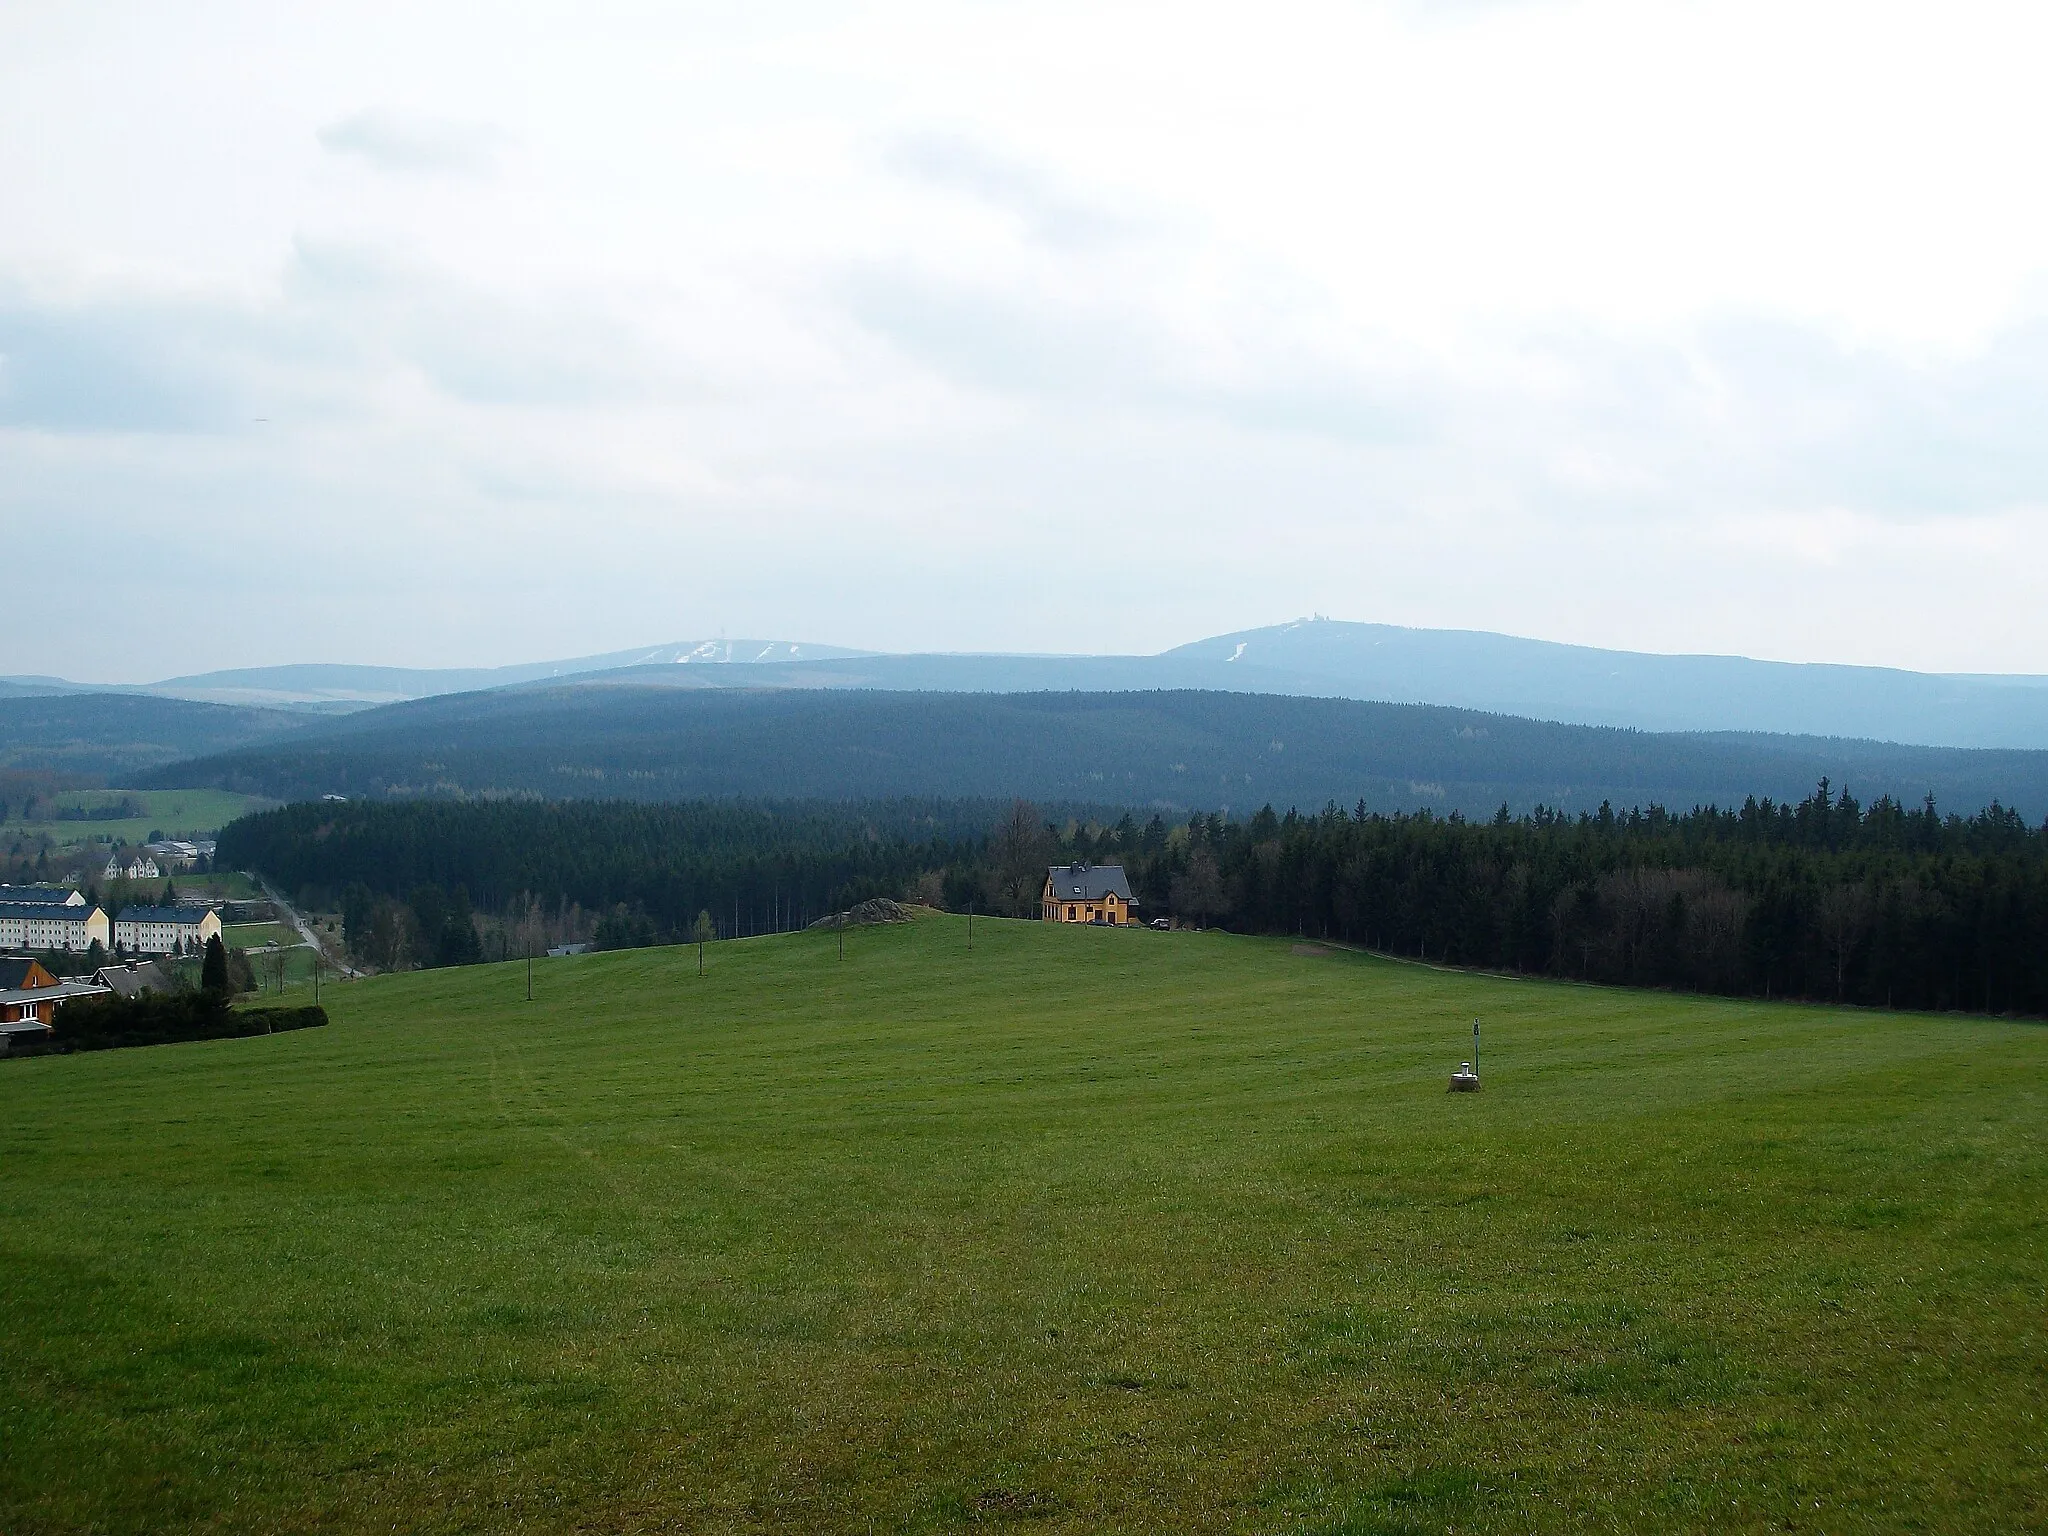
x=879 y=909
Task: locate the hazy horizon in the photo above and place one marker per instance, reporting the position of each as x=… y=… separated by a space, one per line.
x=810 y=643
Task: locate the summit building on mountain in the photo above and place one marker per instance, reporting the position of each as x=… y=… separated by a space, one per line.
x=1087 y=893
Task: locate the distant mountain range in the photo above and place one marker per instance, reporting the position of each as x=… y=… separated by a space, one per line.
x=341 y=685
x=1499 y=674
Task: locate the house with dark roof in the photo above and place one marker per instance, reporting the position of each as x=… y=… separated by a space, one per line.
x=134 y=978
x=1087 y=893
x=29 y=997
x=21 y=978
x=40 y=896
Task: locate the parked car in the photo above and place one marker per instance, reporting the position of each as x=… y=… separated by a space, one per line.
x=1162 y=923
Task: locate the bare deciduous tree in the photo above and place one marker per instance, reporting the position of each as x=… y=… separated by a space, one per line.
x=1842 y=914
x=1020 y=852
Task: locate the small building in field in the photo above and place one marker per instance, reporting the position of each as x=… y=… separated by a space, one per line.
x=23 y=1037
x=1088 y=893
x=56 y=926
x=165 y=930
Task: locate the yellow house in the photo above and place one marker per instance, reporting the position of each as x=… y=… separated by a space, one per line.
x=1087 y=893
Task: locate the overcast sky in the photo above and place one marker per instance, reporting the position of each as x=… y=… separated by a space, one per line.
x=436 y=335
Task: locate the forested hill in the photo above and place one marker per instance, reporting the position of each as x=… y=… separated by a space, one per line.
x=1216 y=751
x=115 y=736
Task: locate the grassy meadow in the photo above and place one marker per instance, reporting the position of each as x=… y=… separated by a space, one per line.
x=258 y=935
x=183 y=813
x=1084 y=1230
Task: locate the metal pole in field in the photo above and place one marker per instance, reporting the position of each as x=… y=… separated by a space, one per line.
x=529 y=970
x=970 y=927
x=1475 y=1047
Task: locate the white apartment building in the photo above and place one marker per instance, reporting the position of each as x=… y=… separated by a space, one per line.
x=54 y=927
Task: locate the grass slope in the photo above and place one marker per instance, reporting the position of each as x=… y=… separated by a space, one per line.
x=1098 y=1230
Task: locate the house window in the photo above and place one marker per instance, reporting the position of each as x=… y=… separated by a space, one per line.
x=1070 y=914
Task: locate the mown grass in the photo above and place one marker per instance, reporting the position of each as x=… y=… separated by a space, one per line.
x=1086 y=1230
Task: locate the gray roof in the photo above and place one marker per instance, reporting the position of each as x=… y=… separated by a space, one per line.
x=38 y=896
x=46 y=913
x=188 y=916
x=128 y=980
x=1088 y=882
x=64 y=991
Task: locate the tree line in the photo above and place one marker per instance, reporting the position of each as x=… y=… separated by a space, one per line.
x=1820 y=898
x=441 y=882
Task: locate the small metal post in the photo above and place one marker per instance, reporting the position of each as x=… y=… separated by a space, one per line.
x=529 y=970
x=1475 y=1047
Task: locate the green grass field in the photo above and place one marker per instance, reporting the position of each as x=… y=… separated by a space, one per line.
x=257 y=935
x=1086 y=1230
x=174 y=812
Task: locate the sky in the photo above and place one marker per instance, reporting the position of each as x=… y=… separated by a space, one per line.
x=461 y=335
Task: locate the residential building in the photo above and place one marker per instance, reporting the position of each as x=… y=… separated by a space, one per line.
x=20 y=978
x=53 y=927
x=164 y=930
x=29 y=998
x=131 y=866
x=40 y=896
x=134 y=978
x=1087 y=893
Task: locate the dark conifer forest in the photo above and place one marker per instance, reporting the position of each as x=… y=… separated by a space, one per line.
x=1822 y=898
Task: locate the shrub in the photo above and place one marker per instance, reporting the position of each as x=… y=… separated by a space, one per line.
x=156 y=1018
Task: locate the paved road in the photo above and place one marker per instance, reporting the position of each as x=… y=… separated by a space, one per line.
x=306 y=933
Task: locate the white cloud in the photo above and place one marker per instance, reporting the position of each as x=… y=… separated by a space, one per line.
x=925 y=326
x=391 y=141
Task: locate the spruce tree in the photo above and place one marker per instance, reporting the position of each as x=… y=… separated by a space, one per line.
x=213 y=971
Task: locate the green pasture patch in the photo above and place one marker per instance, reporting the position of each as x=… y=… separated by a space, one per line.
x=257 y=935
x=180 y=813
x=1084 y=1230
